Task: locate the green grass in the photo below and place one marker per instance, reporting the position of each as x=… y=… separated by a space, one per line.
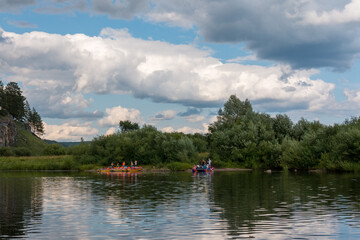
x=178 y=166
x=39 y=163
x=26 y=139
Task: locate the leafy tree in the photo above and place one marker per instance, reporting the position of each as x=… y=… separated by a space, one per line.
x=127 y=126
x=303 y=126
x=27 y=111
x=15 y=101
x=35 y=122
x=282 y=126
x=234 y=111
x=2 y=100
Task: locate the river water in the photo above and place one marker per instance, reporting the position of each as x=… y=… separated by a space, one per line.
x=221 y=205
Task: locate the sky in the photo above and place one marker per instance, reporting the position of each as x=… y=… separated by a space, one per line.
x=85 y=65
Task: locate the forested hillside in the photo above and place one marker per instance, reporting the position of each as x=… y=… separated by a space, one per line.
x=20 y=126
x=15 y=105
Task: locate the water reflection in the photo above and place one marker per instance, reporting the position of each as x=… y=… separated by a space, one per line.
x=289 y=205
x=20 y=203
x=179 y=205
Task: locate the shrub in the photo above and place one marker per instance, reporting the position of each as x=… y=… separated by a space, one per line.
x=54 y=149
x=178 y=166
x=5 y=151
x=21 y=151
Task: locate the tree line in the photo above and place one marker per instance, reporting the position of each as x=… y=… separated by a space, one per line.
x=14 y=103
x=240 y=137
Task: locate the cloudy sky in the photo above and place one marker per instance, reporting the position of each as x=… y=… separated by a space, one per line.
x=87 y=64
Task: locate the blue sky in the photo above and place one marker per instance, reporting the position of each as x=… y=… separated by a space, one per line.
x=87 y=64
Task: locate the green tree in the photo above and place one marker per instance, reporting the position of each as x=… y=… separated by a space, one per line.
x=15 y=101
x=283 y=126
x=35 y=122
x=2 y=100
x=27 y=111
x=234 y=111
x=127 y=126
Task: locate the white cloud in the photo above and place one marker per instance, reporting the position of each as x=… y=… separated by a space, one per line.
x=164 y=115
x=110 y=131
x=117 y=114
x=194 y=118
x=243 y=59
x=168 y=129
x=70 y=131
x=186 y=130
x=350 y=13
x=353 y=96
x=276 y=35
x=61 y=69
x=189 y=130
x=206 y=125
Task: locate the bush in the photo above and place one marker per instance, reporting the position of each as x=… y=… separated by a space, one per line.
x=22 y=151
x=6 y=152
x=54 y=149
x=178 y=166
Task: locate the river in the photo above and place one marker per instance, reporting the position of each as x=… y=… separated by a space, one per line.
x=181 y=205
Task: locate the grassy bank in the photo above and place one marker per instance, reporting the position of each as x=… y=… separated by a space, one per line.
x=42 y=163
x=68 y=162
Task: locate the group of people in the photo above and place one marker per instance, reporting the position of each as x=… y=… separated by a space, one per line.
x=204 y=165
x=133 y=164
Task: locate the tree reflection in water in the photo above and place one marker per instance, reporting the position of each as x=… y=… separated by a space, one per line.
x=180 y=205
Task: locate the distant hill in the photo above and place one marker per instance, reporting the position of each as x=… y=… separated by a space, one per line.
x=65 y=144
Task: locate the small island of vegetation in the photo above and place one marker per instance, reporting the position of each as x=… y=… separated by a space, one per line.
x=240 y=138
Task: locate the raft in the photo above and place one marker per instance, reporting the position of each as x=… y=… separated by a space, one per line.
x=200 y=169
x=121 y=169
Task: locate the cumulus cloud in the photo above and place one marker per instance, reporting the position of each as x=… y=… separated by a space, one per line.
x=353 y=96
x=110 y=131
x=70 y=131
x=190 y=111
x=304 y=34
x=168 y=129
x=186 y=130
x=191 y=114
x=350 y=13
x=164 y=115
x=117 y=114
x=61 y=69
x=274 y=30
x=192 y=130
x=194 y=118
x=57 y=102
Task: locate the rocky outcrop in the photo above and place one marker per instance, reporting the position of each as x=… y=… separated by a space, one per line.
x=7 y=131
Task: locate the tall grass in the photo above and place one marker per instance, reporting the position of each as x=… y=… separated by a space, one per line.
x=39 y=163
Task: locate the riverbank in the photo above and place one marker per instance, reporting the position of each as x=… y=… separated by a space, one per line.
x=64 y=162
x=68 y=162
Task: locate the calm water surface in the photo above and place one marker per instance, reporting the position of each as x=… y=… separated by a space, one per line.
x=221 y=205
